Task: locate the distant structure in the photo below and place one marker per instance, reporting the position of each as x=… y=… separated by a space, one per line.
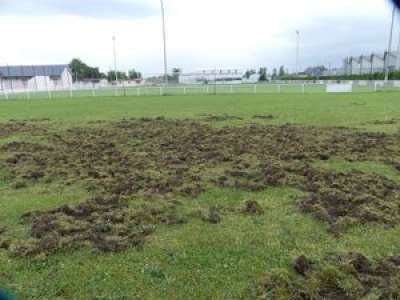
x=219 y=76
x=35 y=78
x=367 y=64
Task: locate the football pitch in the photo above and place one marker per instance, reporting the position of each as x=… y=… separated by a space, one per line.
x=241 y=196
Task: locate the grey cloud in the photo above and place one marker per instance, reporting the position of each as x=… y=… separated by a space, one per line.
x=84 y=8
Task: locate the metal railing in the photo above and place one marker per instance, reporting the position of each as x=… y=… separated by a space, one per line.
x=182 y=90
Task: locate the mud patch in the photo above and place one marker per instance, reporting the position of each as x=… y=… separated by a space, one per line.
x=4 y=241
x=343 y=200
x=15 y=127
x=166 y=159
x=39 y=120
x=392 y=121
x=104 y=223
x=220 y=118
x=264 y=117
x=252 y=207
x=348 y=276
x=212 y=216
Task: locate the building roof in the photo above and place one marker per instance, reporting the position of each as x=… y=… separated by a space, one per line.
x=32 y=71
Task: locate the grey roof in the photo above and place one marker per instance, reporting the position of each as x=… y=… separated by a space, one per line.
x=31 y=71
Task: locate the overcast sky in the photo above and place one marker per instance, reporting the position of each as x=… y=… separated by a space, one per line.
x=201 y=34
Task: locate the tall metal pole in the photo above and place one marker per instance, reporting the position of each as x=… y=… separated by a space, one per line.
x=34 y=78
x=165 y=42
x=390 y=46
x=398 y=51
x=115 y=59
x=297 y=52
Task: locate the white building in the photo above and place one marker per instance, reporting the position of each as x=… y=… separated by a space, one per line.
x=35 y=78
x=220 y=76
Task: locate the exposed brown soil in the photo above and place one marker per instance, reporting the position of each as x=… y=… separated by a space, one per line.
x=11 y=128
x=213 y=216
x=4 y=242
x=107 y=224
x=165 y=159
x=219 y=118
x=350 y=276
x=354 y=198
x=264 y=117
x=252 y=207
x=385 y=122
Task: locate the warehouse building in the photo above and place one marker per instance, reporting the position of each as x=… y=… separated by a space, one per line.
x=220 y=76
x=35 y=78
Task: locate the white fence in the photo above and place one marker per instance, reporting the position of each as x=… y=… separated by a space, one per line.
x=267 y=88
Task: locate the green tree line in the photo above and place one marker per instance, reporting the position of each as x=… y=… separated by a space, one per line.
x=81 y=72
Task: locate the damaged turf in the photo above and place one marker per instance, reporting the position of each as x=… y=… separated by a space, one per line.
x=349 y=276
x=165 y=159
x=107 y=224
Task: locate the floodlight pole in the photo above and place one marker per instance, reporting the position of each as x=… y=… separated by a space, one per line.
x=115 y=58
x=390 y=46
x=165 y=42
x=297 y=52
x=398 y=52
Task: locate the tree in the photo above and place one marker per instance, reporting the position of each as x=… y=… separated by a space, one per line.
x=121 y=76
x=176 y=72
x=274 y=73
x=263 y=74
x=249 y=73
x=81 y=71
x=133 y=75
x=316 y=71
x=282 y=71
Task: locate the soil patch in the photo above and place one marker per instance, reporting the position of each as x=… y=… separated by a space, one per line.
x=219 y=118
x=348 y=276
x=384 y=122
x=104 y=223
x=264 y=117
x=252 y=207
x=213 y=216
x=354 y=198
x=165 y=159
x=11 y=128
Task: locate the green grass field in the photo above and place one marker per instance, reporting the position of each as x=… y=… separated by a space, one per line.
x=352 y=110
x=198 y=260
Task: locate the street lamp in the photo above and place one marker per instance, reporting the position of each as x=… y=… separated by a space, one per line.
x=398 y=52
x=165 y=42
x=115 y=59
x=390 y=46
x=297 y=52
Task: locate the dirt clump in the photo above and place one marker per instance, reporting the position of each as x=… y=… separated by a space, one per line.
x=212 y=216
x=264 y=117
x=252 y=207
x=349 y=276
x=342 y=199
x=384 y=122
x=17 y=127
x=104 y=223
x=302 y=265
x=159 y=158
x=4 y=241
x=396 y=165
x=219 y=118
